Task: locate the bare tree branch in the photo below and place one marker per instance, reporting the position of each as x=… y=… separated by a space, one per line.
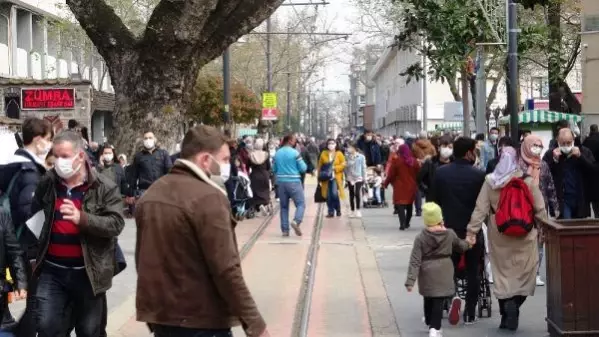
x=105 y=29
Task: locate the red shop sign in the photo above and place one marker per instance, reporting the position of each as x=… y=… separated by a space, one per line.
x=47 y=99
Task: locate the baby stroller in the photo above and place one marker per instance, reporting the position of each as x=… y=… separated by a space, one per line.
x=485 y=302
x=241 y=196
x=370 y=188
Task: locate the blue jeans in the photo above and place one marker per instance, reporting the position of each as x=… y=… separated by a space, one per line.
x=294 y=191
x=569 y=208
x=175 y=331
x=418 y=202
x=333 y=203
x=60 y=288
x=377 y=191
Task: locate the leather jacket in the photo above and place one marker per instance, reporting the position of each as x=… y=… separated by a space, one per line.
x=11 y=253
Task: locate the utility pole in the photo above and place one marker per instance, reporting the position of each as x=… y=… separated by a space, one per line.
x=513 y=104
x=288 y=111
x=481 y=91
x=226 y=88
x=268 y=52
x=308 y=120
x=424 y=94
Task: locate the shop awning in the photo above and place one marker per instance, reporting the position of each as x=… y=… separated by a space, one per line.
x=247 y=132
x=452 y=126
x=542 y=116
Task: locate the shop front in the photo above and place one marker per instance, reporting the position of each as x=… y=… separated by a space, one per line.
x=57 y=101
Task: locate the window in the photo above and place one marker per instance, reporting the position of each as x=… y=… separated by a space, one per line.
x=540 y=87
x=362 y=99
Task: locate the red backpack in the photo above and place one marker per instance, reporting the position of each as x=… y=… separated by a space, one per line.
x=515 y=213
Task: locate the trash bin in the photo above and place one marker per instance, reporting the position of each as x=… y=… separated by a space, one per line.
x=572 y=259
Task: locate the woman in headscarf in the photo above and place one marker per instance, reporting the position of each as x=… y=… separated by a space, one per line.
x=532 y=164
x=402 y=175
x=259 y=165
x=514 y=260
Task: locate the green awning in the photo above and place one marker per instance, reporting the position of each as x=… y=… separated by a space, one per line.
x=247 y=132
x=452 y=126
x=542 y=116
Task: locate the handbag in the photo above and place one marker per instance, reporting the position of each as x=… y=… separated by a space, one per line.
x=318 y=198
x=326 y=172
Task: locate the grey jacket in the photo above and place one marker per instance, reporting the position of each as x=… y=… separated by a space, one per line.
x=431 y=263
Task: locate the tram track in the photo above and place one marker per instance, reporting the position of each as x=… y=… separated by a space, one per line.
x=249 y=244
x=304 y=303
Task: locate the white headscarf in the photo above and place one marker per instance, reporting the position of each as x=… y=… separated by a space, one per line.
x=259 y=144
x=507 y=165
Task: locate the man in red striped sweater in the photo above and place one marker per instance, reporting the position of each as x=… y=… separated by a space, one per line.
x=76 y=261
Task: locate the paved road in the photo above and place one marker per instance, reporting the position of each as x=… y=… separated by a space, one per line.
x=392 y=249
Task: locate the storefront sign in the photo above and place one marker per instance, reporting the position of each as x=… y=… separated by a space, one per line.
x=269 y=100
x=47 y=99
x=269 y=114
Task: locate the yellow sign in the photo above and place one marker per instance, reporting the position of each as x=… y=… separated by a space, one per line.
x=269 y=100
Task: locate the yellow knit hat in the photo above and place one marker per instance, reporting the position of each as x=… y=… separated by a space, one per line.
x=431 y=214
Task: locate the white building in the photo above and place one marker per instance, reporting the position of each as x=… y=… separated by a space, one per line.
x=35 y=56
x=399 y=105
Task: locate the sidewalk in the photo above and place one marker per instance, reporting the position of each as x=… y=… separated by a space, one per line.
x=393 y=247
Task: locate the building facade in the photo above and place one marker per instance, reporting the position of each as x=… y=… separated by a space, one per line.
x=40 y=68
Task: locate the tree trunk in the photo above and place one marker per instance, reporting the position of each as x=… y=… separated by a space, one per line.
x=453 y=88
x=555 y=41
x=465 y=103
x=153 y=75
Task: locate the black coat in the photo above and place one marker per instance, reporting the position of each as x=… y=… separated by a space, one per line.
x=30 y=172
x=455 y=188
x=587 y=169
x=592 y=143
x=147 y=167
x=11 y=254
x=117 y=174
x=426 y=175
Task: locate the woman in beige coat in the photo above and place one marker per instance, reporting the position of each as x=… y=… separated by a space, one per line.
x=513 y=259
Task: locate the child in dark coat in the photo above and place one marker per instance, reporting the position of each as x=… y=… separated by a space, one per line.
x=431 y=264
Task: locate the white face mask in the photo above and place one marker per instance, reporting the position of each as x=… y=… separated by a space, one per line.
x=331 y=147
x=368 y=138
x=536 y=150
x=64 y=167
x=108 y=157
x=224 y=168
x=566 y=149
x=493 y=137
x=149 y=143
x=43 y=148
x=446 y=152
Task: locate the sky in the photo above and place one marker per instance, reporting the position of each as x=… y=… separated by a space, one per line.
x=340 y=17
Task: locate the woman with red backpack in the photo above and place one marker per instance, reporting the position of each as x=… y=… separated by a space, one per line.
x=511 y=200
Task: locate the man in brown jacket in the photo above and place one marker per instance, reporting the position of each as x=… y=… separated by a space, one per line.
x=189 y=273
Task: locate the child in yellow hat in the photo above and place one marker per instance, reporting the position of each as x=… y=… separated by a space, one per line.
x=431 y=265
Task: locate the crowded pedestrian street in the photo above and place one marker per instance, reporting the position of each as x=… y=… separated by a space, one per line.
x=356 y=289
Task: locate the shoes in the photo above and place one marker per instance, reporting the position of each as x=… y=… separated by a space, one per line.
x=358 y=214
x=263 y=210
x=402 y=228
x=330 y=215
x=285 y=234
x=540 y=282
x=469 y=320
x=352 y=214
x=435 y=333
x=338 y=213
x=296 y=228
x=454 y=310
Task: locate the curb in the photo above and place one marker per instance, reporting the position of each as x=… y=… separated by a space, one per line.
x=381 y=316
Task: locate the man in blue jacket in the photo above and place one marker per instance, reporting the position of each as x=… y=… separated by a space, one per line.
x=25 y=170
x=371 y=149
x=288 y=169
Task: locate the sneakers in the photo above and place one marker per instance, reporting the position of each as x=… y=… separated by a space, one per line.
x=454 y=310
x=540 y=282
x=296 y=228
x=358 y=214
x=470 y=320
x=435 y=333
x=285 y=234
x=352 y=214
x=263 y=210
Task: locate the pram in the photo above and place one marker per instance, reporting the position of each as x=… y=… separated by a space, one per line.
x=241 y=195
x=370 y=200
x=485 y=301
